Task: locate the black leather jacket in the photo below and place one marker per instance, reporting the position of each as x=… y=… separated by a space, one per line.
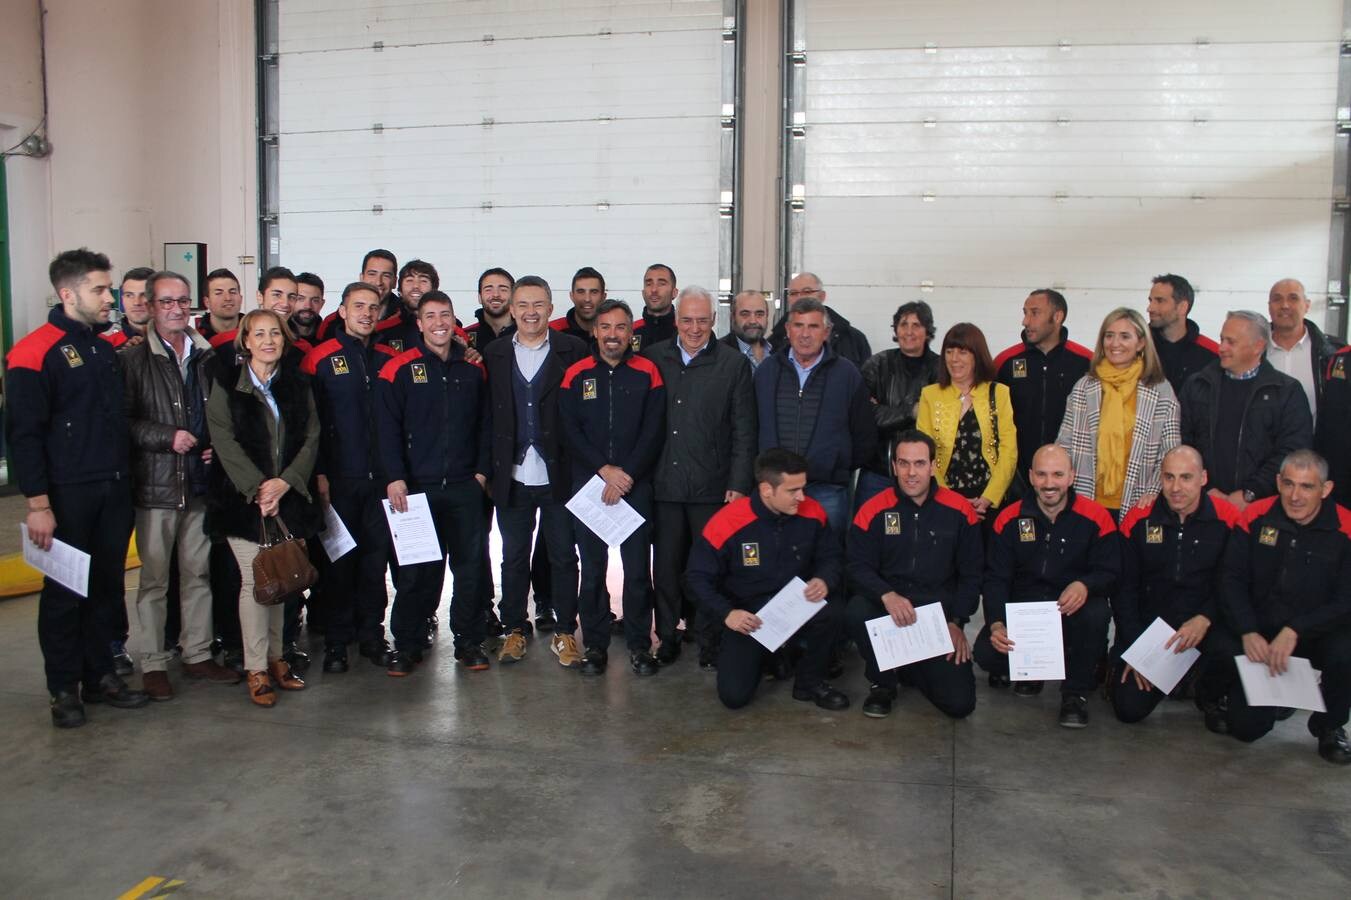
x=895 y=395
x=157 y=405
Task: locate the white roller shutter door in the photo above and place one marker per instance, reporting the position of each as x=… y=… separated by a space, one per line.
x=539 y=136
x=967 y=152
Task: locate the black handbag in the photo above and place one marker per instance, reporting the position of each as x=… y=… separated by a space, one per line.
x=282 y=566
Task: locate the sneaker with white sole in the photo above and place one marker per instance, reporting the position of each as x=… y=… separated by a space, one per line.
x=513 y=648
x=564 y=647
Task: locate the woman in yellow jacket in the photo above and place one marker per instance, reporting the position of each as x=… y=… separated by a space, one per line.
x=977 y=443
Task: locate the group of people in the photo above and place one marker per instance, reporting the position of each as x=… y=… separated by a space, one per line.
x=1157 y=475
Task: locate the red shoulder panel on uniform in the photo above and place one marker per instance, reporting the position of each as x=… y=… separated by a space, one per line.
x=576 y=369
x=116 y=338
x=1095 y=513
x=1255 y=510
x=1207 y=344
x=1078 y=350
x=810 y=509
x=728 y=521
x=1007 y=515
x=639 y=323
x=389 y=322
x=868 y=511
x=1135 y=516
x=303 y=346
x=483 y=372
x=1344 y=520
x=461 y=334
x=386 y=349
x=325 y=326
x=648 y=368
x=391 y=368
x=1227 y=512
x=954 y=500
x=310 y=364
x=225 y=337
x=560 y=324
x=29 y=352
x=1007 y=355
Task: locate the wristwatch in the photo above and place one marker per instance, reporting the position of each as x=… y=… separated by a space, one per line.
x=1249 y=496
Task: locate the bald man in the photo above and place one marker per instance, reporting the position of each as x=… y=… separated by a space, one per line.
x=1052 y=546
x=1298 y=348
x=1170 y=563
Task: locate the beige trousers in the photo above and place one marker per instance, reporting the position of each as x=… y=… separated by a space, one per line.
x=260 y=625
x=158 y=532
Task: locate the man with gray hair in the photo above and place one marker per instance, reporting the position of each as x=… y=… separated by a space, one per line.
x=845 y=340
x=1298 y=348
x=1242 y=415
x=748 y=330
x=706 y=459
x=1285 y=590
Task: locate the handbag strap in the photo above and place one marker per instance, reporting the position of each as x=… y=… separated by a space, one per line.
x=994 y=420
x=284 y=533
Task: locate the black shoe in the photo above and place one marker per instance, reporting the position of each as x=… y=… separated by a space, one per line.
x=616 y=624
x=823 y=695
x=492 y=623
x=643 y=663
x=1214 y=711
x=1332 y=746
x=217 y=647
x=778 y=666
x=545 y=621
x=472 y=658
x=296 y=658
x=878 y=704
x=668 y=652
x=234 y=660
x=428 y=637
x=835 y=668
x=113 y=691
x=1028 y=688
x=708 y=658
x=594 y=662
x=401 y=663
x=376 y=651
x=122 y=664
x=999 y=682
x=335 y=659
x=1073 y=711
x=67 y=710
x=433 y=623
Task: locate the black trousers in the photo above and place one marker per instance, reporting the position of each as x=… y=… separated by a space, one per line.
x=1085 y=636
x=225 y=588
x=593 y=597
x=355 y=597
x=1329 y=653
x=457 y=510
x=75 y=632
x=677 y=526
x=516 y=521
x=541 y=581
x=948 y=686
x=741 y=658
x=1134 y=705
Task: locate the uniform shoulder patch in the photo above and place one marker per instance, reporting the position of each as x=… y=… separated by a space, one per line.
x=577 y=369
x=728 y=521
x=29 y=352
x=1226 y=512
x=954 y=500
x=1007 y=515
x=648 y=368
x=1206 y=343
x=1078 y=349
x=868 y=511
x=1254 y=511
x=1095 y=513
x=1344 y=520
x=1134 y=517
x=391 y=369
x=1007 y=355
x=310 y=364
x=810 y=509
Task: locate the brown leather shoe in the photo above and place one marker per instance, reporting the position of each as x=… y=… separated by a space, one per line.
x=285 y=678
x=212 y=671
x=157 y=686
x=260 y=689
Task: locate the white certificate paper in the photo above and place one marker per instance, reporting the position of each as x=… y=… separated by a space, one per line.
x=900 y=645
x=414 y=532
x=1038 y=652
x=1297 y=688
x=1161 y=666
x=335 y=537
x=784 y=614
x=611 y=523
x=64 y=564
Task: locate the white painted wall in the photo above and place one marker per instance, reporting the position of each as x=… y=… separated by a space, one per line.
x=150 y=116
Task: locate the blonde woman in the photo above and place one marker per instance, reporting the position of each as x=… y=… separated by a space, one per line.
x=977 y=444
x=1121 y=418
x=265 y=433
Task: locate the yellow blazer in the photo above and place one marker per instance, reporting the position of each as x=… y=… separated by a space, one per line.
x=939 y=410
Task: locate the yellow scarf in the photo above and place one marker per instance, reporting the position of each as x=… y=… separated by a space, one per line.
x=1116 y=422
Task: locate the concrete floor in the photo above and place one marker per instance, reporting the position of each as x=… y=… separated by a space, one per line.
x=531 y=781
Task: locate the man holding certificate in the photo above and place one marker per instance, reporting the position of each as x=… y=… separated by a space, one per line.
x=748 y=552
x=913 y=545
x=1053 y=547
x=1285 y=590
x=1172 y=554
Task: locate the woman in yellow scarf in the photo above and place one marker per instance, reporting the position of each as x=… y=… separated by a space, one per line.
x=1121 y=417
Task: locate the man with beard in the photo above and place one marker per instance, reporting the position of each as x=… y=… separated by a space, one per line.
x=1183 y=349
x=587 y=294
x=750 y=321
x=492 y=319
x=658 y=322
x=305 y=309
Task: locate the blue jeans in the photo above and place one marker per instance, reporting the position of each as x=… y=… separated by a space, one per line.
x=835 y=499
x=870 y=484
